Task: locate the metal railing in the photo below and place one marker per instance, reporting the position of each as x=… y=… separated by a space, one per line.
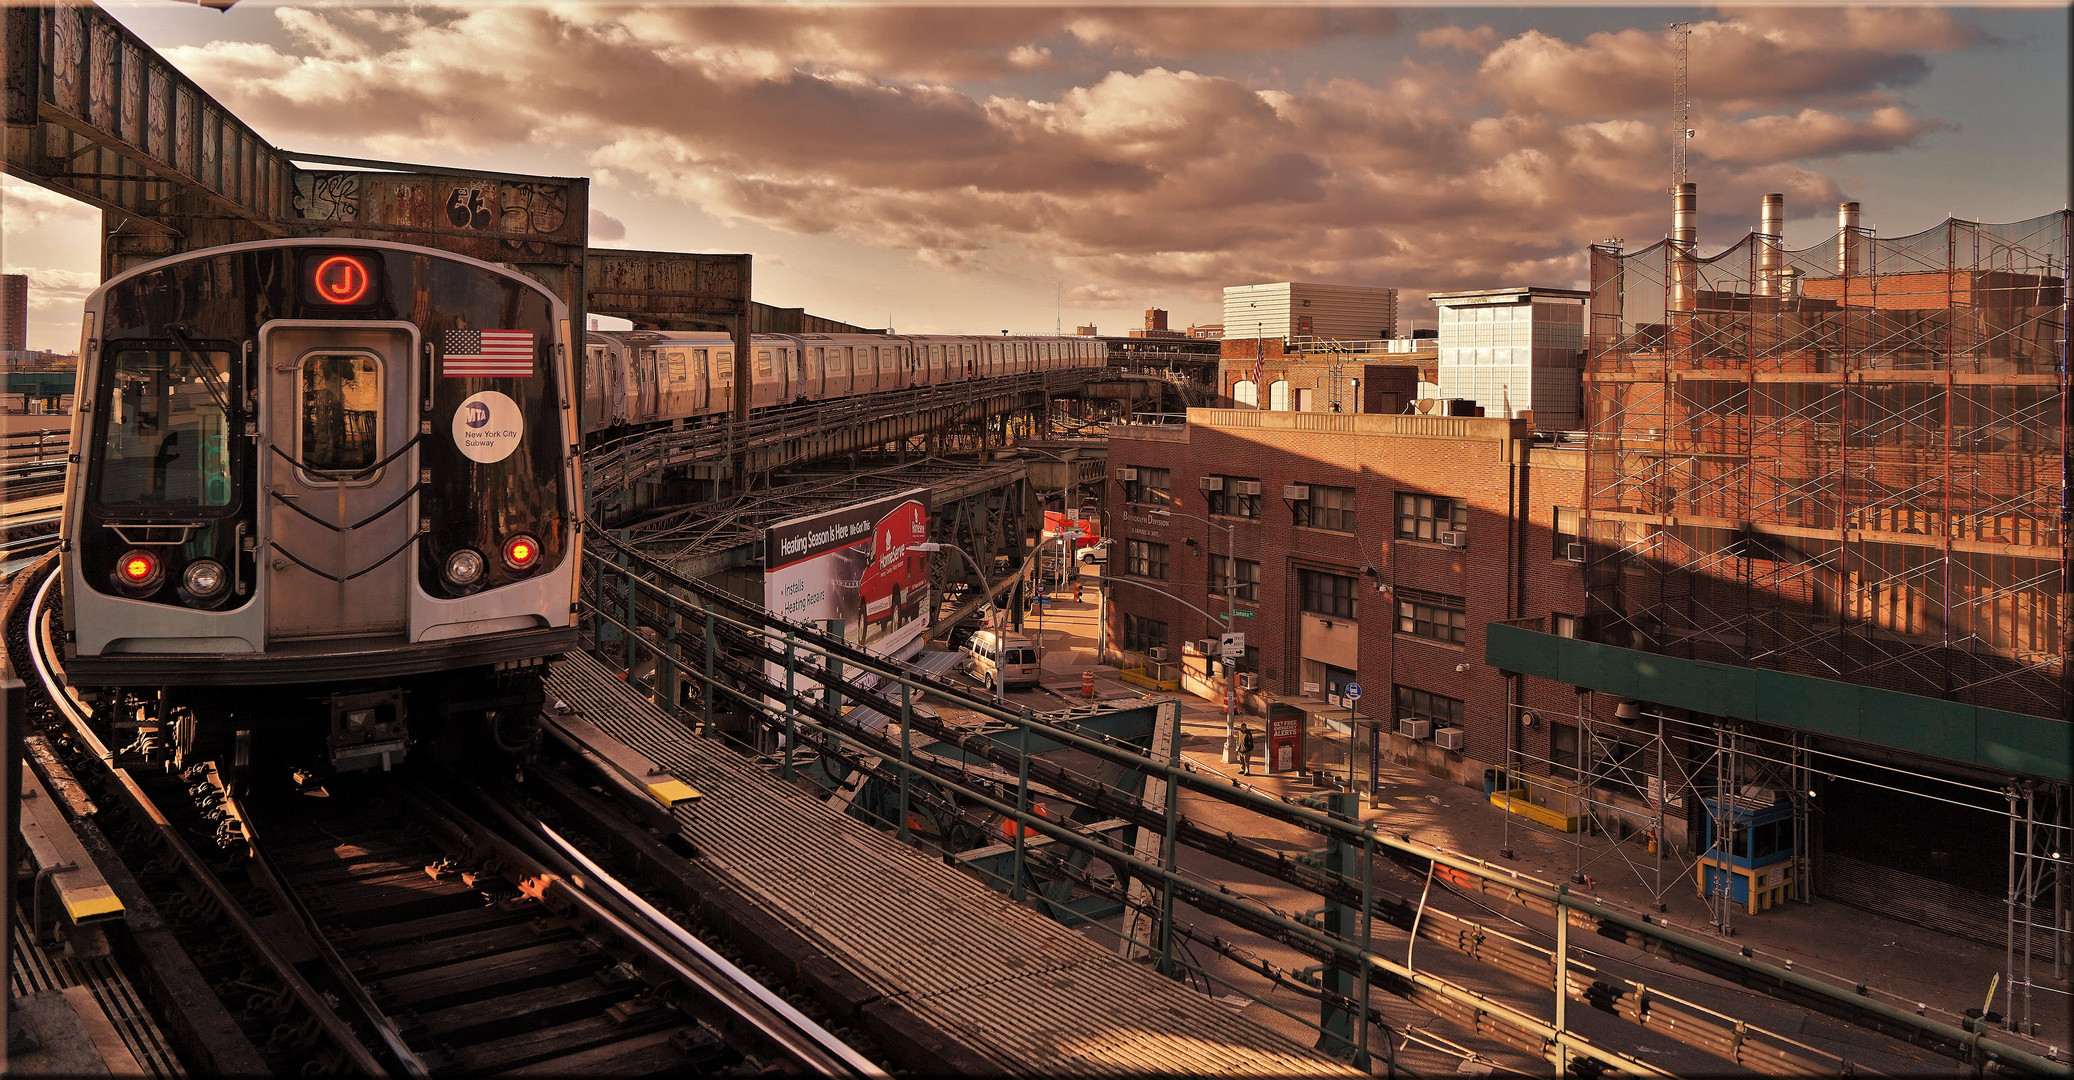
x=651 y=609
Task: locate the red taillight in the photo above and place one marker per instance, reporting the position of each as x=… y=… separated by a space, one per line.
x=139 y=569
x=521 y=552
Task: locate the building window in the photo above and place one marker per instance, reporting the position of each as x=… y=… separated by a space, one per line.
x=1569 y=529
x=1239 y=497
x=1425 y=517
x=1141 y=634
x=1152 y=486
x=1420 y=705
x=1432 y=615
x=1247 y=585
x=1143 y=558
x=1562 y=750
x=1327 y=594
x=1327 y=508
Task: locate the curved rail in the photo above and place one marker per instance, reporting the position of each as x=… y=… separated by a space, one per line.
x=306 y=996
x=753 y=1011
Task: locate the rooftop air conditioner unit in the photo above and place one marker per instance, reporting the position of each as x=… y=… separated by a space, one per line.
x=1245 y=487
x=1455 y=539
x=1573 y=552
x=1450 y=738
x=1206 y=646
x=1211 y=483
x=1415 y=729
x=1126 y=474
x=1296 y=492
x=1249 y=681
x=1157 y=654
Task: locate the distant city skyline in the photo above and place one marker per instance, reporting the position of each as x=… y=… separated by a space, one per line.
x=971 y=169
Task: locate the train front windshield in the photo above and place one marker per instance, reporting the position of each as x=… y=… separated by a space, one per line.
x=165 y=430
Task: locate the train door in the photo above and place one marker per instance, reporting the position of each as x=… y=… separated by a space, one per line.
x=676 y=397
x=802 y=386
x=837 y=371
x=723 y=382
x=701 y=381
x=339 y=471
x=614 y=376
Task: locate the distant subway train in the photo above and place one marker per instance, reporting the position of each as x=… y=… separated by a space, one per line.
x=634 y=378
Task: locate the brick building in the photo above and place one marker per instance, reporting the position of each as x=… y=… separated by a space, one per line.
x=14 y=312
x=1369 y=548
x=1792 y=609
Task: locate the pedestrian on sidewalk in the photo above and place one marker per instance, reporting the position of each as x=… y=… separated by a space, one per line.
x=1245 y=750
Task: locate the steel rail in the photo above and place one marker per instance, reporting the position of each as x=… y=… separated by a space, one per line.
x=307 y=996
x=612 y=904
x=276 y=886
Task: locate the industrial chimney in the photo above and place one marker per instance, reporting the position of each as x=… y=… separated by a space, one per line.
x=1685 y=237
x=1771 y=236
x=1849 y=241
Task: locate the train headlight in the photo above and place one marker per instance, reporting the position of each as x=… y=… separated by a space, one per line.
x=521 y=552
x=464 y=567
x=139 y=569
x=204 y=579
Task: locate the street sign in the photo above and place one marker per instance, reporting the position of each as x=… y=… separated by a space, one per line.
x=1354 y=690
x=1242 y=614
x=1231 y=646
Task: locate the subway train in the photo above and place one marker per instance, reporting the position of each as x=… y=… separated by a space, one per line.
x=339 y=470
x=636 y=378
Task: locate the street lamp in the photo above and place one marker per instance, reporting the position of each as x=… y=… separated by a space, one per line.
x=986 y=594
x=1231 y=569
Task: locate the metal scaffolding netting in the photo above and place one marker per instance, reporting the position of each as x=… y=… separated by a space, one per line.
x=1844 y=461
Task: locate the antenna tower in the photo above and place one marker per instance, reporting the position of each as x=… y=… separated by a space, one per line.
x=1681 y=105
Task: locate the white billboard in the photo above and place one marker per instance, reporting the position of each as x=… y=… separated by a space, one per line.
x=853 y=565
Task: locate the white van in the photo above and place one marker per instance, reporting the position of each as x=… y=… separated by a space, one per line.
x=1016 y=655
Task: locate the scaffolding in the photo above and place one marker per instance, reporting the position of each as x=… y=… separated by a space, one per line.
x=1844 y=461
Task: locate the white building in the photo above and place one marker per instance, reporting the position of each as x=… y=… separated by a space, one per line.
x=1512 y=350
x=1296 y=309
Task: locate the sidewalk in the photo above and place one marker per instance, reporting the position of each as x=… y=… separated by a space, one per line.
x=1899 y=963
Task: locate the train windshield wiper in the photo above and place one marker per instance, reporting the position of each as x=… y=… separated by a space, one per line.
x=208 y=374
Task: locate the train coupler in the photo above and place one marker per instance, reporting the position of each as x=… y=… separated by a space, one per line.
x=368 y=731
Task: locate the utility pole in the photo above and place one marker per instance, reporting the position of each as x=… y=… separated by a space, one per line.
x=1681 y=104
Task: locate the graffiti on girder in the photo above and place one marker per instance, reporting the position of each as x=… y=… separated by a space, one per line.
x=327 y=196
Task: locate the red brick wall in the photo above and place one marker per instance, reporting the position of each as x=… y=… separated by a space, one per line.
x=1498 y=562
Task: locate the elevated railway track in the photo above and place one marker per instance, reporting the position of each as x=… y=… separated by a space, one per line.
x=385 y=928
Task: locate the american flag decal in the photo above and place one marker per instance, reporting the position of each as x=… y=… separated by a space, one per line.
x=487 y=354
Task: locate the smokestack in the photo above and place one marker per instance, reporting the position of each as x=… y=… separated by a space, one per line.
x=1847 y=238
x=1685 y=237
x=1771 y=235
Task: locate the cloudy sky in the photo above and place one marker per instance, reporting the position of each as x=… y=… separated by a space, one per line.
x=975 y=168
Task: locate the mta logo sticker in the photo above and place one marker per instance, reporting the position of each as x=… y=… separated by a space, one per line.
x=488 y=427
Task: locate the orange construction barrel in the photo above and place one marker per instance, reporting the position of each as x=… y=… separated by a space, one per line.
x=1087 y=684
